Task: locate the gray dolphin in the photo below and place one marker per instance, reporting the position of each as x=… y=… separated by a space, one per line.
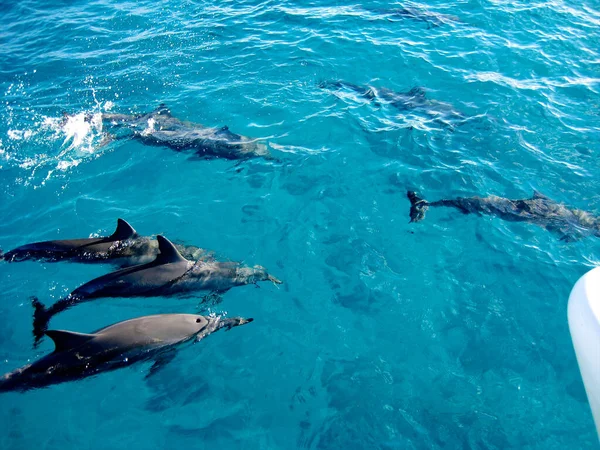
x=160 y=128
x=125 y=247
x=413 y=99
x=80 y=355
x=432 y=19
x=569 y=223
x=170 y=273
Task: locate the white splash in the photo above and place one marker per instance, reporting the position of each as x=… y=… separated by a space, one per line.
x=64 y=165
x=81 y=136
x=18 y=135
x=80 y=130
x=150 y=129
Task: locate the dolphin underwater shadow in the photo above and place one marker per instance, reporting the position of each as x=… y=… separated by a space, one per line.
x=414 y=99
x=432 y=19
x=169 y=274
x=79 y=355
x=569 y=223
x=125 y=247
x=160 y=128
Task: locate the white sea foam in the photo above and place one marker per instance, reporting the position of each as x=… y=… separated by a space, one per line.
x=64 y=165
x=82 y=131
x=60 y=143
x=150 y=129
x=18 y=135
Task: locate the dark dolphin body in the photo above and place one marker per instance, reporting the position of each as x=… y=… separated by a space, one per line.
x=170 y=273
x=160 y=128
x=124 y=247
x=571 y=224
x=432 y=19
x=415 y=99
x=79 y=355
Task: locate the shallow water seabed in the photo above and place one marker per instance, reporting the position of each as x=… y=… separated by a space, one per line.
x=448 y=333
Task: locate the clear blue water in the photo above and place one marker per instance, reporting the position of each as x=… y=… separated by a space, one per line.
x=450 y=333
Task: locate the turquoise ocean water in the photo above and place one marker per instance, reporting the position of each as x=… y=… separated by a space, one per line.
x=450 y=333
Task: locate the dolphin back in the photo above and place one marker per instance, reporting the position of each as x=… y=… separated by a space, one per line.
x=55 y=250
x=86 y=249
x=133 y=281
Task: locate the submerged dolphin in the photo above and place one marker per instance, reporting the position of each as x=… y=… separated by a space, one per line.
x=571 y=224
x=160 y=128
x=403 y=101
x=170 y=273
x=432 y=19
x=124 y=247
x=79 y=355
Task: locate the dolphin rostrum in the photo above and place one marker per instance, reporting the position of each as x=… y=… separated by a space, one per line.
x=124 y=247
x=569 y=223
x=170 y=273
x=413 y=99
x=79 y=355
x=160 y=128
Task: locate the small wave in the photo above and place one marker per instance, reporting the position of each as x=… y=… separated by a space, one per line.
x=18 y=135
x=80 y=131
x=297 y=149
x=60 y=143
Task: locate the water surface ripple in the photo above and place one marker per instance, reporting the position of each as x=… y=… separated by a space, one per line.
x=450 y=333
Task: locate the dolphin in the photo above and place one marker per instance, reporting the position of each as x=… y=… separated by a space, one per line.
x=79 y=355
x=414 y=99
x=569 y=223
x=160 y=128
x=432 y=19
x=170 y=273
x=125 y=247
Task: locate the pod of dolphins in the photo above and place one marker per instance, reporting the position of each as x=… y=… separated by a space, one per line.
x=157 y=267
x=149 y=268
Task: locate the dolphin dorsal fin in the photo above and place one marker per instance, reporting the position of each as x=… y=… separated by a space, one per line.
x=168 y=253
x=67 y=340
x=223 y=130
x=124 y=231
x=162 y=110
x=538 y=194
x=417 y=91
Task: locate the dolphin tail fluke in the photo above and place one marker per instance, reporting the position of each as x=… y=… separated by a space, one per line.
x=335 y=85
x=1 y=255
x=270 y=157
x=328 y=84
x=41 y=317
x=418 y=206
